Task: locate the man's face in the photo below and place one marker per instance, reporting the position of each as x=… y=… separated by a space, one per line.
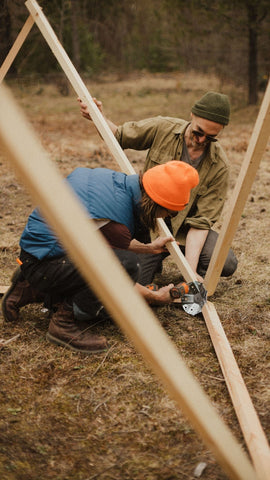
x=202 y=131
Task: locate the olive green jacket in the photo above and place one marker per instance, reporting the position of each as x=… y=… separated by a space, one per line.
x=164 y=136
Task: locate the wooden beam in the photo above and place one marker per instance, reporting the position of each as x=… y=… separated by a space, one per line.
x=125 y=165
x=113 y=286
x=16 y=47
x=178 y=257
x=239 y=196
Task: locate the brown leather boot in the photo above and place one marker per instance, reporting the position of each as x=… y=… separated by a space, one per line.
x=19 y=294
x=64 y=331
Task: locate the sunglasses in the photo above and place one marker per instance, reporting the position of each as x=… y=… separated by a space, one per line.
x=198 y=135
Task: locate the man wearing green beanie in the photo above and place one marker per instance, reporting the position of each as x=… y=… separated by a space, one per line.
x=195 y=142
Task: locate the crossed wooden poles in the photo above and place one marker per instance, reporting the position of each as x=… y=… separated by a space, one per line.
x=113 y=286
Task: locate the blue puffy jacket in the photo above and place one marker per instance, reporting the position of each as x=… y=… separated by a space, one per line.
x=104 y=194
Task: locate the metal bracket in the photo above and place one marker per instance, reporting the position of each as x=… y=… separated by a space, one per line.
x=193 y=301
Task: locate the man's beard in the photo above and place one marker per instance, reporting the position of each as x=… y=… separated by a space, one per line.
x=197 y=145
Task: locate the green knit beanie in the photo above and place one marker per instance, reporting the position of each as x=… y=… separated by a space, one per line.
x=213 y=106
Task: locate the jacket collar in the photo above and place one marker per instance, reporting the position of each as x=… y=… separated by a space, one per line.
x=179 y=129
x=133 y=184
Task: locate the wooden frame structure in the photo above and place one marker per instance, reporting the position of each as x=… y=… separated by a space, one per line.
x=92 y=256
x=164 y=367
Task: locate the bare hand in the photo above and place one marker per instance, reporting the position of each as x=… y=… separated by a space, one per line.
x=159 y=244
x=84 y=108
x=158 y=297
x=162 y=296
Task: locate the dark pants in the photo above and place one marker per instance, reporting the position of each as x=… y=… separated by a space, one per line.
x=59 y=279
x=152 y=264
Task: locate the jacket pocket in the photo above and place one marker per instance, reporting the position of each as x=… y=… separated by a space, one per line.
x=157 y=157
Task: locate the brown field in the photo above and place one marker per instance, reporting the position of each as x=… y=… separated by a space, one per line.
x=68 y=416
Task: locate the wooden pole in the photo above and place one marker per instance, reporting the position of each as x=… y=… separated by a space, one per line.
x=16 y=47
x=242 y=188
x=113 y=286
x=179 y=259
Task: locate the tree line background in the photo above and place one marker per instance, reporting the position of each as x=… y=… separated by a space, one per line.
x=228 y=38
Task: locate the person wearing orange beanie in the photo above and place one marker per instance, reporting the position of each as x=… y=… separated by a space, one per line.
x=169 y=185
x=121 y=206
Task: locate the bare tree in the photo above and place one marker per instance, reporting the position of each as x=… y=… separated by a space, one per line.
x=256 y=13
x=75 y=17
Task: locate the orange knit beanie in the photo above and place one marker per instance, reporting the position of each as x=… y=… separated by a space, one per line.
x=169 y=184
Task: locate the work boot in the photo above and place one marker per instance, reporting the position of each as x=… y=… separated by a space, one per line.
x=19 y=294
x=64 y=331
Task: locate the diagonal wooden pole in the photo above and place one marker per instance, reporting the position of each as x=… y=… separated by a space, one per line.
x=239 y=196
x=16 y=47
x=113 y=286
x=261 y=461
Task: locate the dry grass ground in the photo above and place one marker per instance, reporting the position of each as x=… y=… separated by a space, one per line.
x=65 y=416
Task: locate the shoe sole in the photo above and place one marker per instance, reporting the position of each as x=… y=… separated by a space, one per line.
x=61 y=343
x=14 y=279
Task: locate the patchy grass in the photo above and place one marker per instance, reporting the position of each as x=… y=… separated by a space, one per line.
x=67 y=416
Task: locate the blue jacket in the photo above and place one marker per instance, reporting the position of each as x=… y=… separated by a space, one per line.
x=104 y=194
